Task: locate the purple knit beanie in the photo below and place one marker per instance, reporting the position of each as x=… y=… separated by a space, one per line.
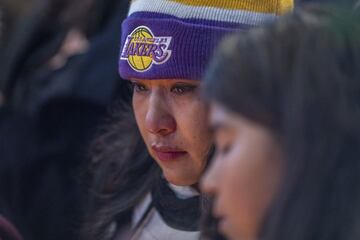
x=175 y=39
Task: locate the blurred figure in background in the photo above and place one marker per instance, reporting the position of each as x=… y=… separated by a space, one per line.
x=285 y=113
x=51 y=44
x=7 y=230
x=58 y=77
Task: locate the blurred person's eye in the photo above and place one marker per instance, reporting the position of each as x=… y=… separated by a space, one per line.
x=223 y=142
x=223 y=149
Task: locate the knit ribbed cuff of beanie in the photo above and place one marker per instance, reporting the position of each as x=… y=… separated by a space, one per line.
x=174 y=39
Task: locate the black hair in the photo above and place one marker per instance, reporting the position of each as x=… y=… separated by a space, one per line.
x=121 y=173
x=300 y=78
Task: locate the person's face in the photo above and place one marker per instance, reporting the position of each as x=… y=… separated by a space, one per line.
x=172 y=120
x=244 y=175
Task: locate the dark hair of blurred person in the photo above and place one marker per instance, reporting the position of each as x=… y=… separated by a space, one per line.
x=292 y=88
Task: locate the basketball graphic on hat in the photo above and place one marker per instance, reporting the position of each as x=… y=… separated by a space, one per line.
x=141 y=63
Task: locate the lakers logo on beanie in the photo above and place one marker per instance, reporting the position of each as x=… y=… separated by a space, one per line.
x=142 y=49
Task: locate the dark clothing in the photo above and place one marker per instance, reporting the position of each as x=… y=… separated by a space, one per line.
x=50 y=118
x=180 y=214
x=8 y=231
x=40 y=169
x=27 y=81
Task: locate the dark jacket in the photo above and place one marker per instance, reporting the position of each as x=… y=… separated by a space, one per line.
x=49 y=120
x=8 y=231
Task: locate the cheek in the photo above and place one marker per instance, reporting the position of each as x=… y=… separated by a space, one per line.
x=192 y=121
x=139 y=104
x=231 y=177
x=252 y=176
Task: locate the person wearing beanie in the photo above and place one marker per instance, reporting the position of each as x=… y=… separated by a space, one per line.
x=148 y=164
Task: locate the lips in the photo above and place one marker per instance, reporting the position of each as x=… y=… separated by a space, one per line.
x=167 y=154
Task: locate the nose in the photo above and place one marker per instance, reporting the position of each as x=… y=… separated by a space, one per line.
x=159 y=119
x=210 y=182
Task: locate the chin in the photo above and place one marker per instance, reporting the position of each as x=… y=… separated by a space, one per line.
x=180 y=180
x=234 y=234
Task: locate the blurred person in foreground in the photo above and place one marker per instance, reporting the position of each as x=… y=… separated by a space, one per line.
x=59 y=75
x=285 y=110
x=148 y=164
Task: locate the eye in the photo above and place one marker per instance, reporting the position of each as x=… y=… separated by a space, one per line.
x=181 y=89
x=226 y=149
x=138 y=87
x=222 y=150
x=223 y=144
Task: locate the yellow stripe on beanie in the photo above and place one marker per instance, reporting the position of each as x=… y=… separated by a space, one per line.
x=277 y=7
